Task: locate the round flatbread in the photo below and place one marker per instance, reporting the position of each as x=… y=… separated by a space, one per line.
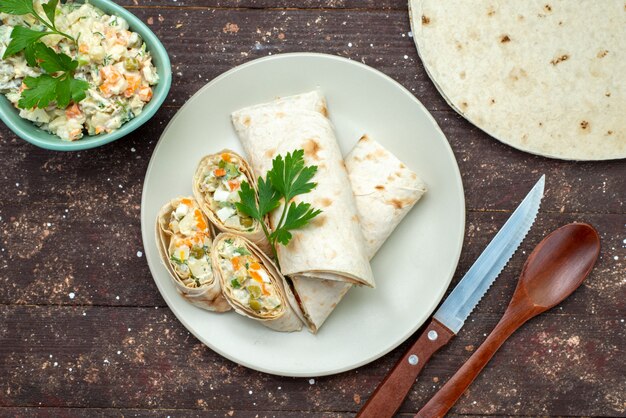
x=544 y=77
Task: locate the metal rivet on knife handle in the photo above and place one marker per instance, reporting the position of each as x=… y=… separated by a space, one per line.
x=432 y=335
x=388 y=396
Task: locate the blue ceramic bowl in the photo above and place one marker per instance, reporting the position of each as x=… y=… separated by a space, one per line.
x=31 y=133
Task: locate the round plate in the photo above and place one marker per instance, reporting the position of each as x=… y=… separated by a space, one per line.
x=412 y=270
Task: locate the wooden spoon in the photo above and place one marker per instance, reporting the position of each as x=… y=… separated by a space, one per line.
x=555 y=268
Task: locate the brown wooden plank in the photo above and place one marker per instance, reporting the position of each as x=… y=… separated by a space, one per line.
x=559 y=364
x=360 y=5
x=206 y=42
x=45 y=412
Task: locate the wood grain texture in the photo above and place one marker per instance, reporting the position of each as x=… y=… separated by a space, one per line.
x=43 y=412
x=357 y=5
x=69 y=224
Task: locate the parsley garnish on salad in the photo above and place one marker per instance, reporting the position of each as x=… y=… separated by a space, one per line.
x=59 y=84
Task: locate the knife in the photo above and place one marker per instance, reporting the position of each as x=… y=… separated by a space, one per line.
x=451 y=315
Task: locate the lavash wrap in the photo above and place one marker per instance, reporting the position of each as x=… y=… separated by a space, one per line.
x=543 y=77
x=385 y=190
x=331 y=246
x=257 y=236
x=289 y=318
x=209 y=296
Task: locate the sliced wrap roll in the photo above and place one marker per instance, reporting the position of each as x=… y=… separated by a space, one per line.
x=332 y=246
x=252 y=284
x=184 y=240
x=216 y=185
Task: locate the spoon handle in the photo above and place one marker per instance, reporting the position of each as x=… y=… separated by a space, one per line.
x=447 y=396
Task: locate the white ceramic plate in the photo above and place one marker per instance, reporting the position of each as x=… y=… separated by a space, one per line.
x=412 y=270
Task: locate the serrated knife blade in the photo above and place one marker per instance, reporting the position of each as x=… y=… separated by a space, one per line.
x=487 y=267
x=451 y=315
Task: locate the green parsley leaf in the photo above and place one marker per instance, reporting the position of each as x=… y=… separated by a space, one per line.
x=302 y=184
x=64 y=93
x=248 y=204
x=269 y=197
x=235 y=284
x=44 y=89
x=51 y=61
x=290 y=177
x=17 y=7
x=283 y=172
x=39 y=93
x=62 y=89
x=78 y=89
x=298 y=215
x=29 y=54
x=50 y=10
x=21 y=38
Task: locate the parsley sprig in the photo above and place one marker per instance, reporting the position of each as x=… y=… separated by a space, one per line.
x=287 y=179
x=58 y=84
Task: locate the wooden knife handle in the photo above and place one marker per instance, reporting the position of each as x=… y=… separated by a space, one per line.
x=446 y=397
x=388 y=396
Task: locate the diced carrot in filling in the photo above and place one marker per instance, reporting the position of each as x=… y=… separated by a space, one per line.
x=134 y=81
x=106 y=89
x=145 y=94
x=200 y=223
x=110 y=74
x=256 y=276
x=233 y=185
x=235 y=262
x=73 y=111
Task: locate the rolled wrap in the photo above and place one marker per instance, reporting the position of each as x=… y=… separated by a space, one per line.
x=207 y=197
x=252 y=284
x=184 y=240
x=385 y=190
x=331 y=246
x=402 y=188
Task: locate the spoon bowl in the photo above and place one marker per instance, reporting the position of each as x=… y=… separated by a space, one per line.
x=559 y=264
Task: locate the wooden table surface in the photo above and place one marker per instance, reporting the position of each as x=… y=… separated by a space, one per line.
x=84 y=331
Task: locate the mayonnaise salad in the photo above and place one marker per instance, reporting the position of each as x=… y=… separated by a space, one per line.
x=112 y=59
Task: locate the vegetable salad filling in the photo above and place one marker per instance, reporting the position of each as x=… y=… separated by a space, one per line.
x=189 y=249
x=220 y=183
x=107 y=72
x=247 y=279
